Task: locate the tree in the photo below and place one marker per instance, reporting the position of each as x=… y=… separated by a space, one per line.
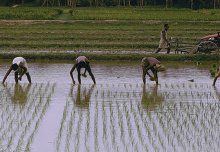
x=191 y=4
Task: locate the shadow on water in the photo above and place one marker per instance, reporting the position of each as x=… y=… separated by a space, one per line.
x=151 y=98
x=20 y=123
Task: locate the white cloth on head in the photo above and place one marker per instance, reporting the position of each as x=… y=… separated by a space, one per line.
x=20 y=61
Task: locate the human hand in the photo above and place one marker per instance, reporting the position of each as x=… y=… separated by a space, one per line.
x=152 y=78
x=84 y=75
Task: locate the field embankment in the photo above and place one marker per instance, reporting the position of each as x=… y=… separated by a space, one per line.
x=106 y=30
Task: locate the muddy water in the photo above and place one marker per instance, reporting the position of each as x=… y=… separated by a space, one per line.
x=119 y=113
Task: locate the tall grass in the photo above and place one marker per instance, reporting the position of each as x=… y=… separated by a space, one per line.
x=111 y=13
x=29 y=13
x=146 y=13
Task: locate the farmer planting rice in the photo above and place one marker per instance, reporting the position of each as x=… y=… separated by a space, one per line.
x=19 y=65
x=82 y=62
x=151 y=63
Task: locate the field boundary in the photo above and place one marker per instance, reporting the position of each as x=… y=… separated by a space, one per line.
x=50 y=55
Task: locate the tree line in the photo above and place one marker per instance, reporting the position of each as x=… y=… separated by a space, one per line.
x=193 y=4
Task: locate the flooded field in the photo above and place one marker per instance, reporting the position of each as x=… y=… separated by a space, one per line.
x=119 y=113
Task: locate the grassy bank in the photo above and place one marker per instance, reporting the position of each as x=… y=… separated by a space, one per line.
x=100 y=29
x=91 y=35
x=109 y=57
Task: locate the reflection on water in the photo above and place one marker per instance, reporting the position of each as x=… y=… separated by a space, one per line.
x=74 y=115
x=151 y=98
x=17 y=93
x=128 y=117
x=19 y=123
x=82 y=95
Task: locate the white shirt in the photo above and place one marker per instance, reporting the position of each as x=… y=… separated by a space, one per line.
x=20 y=61
x=81 y=59
x=162 y=35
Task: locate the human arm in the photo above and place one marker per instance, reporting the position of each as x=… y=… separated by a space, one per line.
x=28 y=77
x=155 y=75
x=148 y=68
x=145 y=67
x=71 y=73
x=6 y=75
x=216 y=77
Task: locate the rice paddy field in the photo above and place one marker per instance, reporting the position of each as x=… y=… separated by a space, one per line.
x=104 y=30
x=119 y=113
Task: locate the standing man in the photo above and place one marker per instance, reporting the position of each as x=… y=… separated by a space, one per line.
x=19 y=65
x=151 y=63
x=82 y=62
x=164 y=43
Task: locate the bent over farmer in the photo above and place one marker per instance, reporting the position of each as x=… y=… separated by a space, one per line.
x=19 y=65
x=81 y=62
x=151 y=63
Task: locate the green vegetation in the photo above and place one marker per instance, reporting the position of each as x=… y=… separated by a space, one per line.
x=109 y=56
x=146 y=13
x=29 y=13
x=107 y=30
x=93 y=35
x=193 y=4
x=213 y=70
x=111 y=13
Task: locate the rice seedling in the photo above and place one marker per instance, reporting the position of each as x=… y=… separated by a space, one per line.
x=95 y=35
x=26 y=119
x=119 y=118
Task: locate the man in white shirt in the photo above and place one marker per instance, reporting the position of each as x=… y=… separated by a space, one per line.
x=82 y=62
x=164 y=43
x=19 y=65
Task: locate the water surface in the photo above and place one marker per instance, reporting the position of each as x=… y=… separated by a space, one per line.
x=119 y=113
